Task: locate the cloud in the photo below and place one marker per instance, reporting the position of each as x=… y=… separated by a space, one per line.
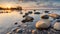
x=32 y=3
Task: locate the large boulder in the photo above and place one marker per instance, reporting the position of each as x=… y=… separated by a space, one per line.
x=57 y=25
x=44 y=22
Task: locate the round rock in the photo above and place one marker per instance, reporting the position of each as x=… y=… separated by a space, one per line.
x=43 y=24
x=57 y=25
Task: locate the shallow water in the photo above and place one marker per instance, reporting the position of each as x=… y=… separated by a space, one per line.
x=7 y=20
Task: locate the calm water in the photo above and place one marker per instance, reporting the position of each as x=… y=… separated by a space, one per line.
x=7 y=20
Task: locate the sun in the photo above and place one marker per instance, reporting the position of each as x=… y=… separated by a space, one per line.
x=8 y=6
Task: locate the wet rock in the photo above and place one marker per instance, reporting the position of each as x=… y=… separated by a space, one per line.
x=23 y=21
x=14 y=30
x=46 y=11
x=44 y=23
x=19 y=31
x=58 y=17
x=34 y=32
x=37 y=13
x=21 y=12
x=30 y=12
x=9 y=33
x=57 y=25
x=28 y=19
x=45 y=17
x=16 y=23
x=54 y=16
x=26 y=14
x=34 y=10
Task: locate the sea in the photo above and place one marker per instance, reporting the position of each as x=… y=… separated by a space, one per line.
x=8 y=20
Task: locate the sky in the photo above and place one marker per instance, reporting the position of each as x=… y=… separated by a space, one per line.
x=31 y=3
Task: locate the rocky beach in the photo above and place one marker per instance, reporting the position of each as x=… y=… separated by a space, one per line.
x=11 y=23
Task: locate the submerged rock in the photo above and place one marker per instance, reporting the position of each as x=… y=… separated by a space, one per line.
x=57 y=25
x=43 y=23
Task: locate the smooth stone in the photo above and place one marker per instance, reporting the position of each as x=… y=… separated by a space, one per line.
x=28 y=18
x=57 y=26
x=53 y=15
x=43 y=24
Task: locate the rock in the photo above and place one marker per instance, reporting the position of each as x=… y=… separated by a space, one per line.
x=37 y=13
x=45 y=17
x=28 y=19
x=21 y=12
x=16 y=23
x=9 y=33
x=46 y=11
x=23 y=21
x=43 y=23
x=26 y=14
x=58 y=17
x=54 y=16
x=30 y=12
x=14 y=30
x=34 y=32
x=34 y=10
x=57 y=25
x=19 y=31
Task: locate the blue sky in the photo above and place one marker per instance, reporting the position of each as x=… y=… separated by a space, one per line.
x=32 y=3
